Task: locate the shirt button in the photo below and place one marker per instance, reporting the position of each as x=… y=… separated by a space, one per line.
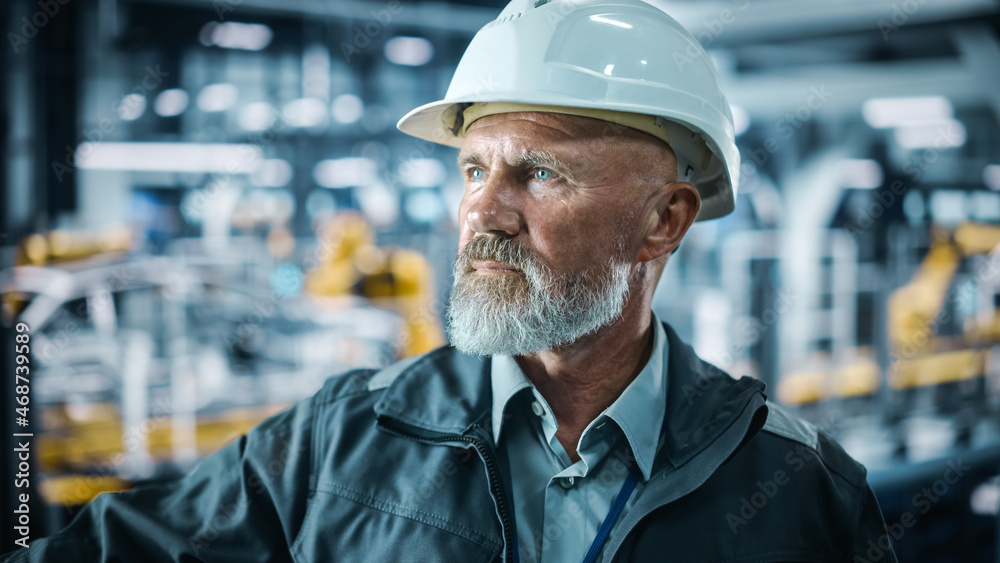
x=567 y=482
x=537 y=408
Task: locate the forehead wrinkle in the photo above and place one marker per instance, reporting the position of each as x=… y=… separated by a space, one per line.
x=635 y=153
x=522 y=157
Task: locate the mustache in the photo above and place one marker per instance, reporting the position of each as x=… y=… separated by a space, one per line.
x=498 y=249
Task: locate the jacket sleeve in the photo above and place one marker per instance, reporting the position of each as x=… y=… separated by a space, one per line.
x=872 y=541
x=244 y=503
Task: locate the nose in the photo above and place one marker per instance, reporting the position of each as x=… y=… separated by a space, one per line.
x=492 y=209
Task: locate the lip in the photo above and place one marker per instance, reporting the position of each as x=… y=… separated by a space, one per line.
x=493 y=267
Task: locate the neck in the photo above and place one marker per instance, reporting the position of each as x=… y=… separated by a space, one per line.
x=579 y=381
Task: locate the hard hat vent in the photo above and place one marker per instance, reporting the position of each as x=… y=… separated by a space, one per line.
x=500 y=21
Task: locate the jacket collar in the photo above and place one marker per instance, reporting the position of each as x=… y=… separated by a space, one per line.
x=446 y=392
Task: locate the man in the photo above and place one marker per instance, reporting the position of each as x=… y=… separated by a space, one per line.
x=566 y=423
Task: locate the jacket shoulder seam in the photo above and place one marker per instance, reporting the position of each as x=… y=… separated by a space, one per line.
x=387 y=375
x=384 y=377
x=785 y=424
x=782 y=423
x=343 y=386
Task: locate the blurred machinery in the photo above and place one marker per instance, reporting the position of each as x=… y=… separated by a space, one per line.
x=145 y=363
x=917 y=309
x=943 y=329
x=932 y=405
x=282 y=230
x=394 y=278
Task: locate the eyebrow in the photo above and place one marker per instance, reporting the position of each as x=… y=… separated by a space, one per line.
x=466 y=159
x=530 y=158
x=541 y=158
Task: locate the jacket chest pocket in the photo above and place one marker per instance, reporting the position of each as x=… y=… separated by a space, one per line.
x=346 y=524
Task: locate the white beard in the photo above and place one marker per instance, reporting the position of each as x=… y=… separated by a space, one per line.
x=515 y=315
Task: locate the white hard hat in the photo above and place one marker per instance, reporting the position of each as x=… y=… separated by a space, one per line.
x=619 y=60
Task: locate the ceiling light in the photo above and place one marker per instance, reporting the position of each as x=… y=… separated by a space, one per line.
x=345 y=172
x=424 y=206
x=948 y=207
x=379 y=203
x=131 y=107
x=234 y=35
x=257 y=116
x=217 y=97
x=305 y=112
x=347 y=108
x=860 y=173
x=171 y=102
x=272 y=173
x=891 y=112
x=423 y=173
x=169 y=157
x=936 y=135
x=409 y=51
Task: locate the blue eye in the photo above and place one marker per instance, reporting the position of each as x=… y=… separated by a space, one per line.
x=543 y=175
x=477 y=174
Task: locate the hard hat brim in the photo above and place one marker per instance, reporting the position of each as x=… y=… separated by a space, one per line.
x=434 y=122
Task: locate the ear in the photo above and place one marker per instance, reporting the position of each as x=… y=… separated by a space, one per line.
x=673 y=212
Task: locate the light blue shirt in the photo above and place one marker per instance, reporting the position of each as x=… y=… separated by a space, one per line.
x=558 y=504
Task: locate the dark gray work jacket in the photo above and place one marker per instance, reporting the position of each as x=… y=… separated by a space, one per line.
x=399 y=465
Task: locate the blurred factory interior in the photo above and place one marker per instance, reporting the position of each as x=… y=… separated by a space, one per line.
x=207 y=210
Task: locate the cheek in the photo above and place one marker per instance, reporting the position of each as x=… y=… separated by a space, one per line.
x=560 y=239
x=573 y=240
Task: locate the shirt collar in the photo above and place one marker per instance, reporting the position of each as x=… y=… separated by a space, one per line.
x=507 y=379
x=638 y=411
x=640 y=408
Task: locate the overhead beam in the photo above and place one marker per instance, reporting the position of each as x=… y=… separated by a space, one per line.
x=428 y=15
x=833 y=91
x=980 y=51
x=721 y=23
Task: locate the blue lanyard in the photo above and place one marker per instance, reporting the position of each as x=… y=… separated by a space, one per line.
x=609 y=521
x=613 y=514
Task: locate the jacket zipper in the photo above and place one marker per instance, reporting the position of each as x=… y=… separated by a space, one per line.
x=493 y=476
